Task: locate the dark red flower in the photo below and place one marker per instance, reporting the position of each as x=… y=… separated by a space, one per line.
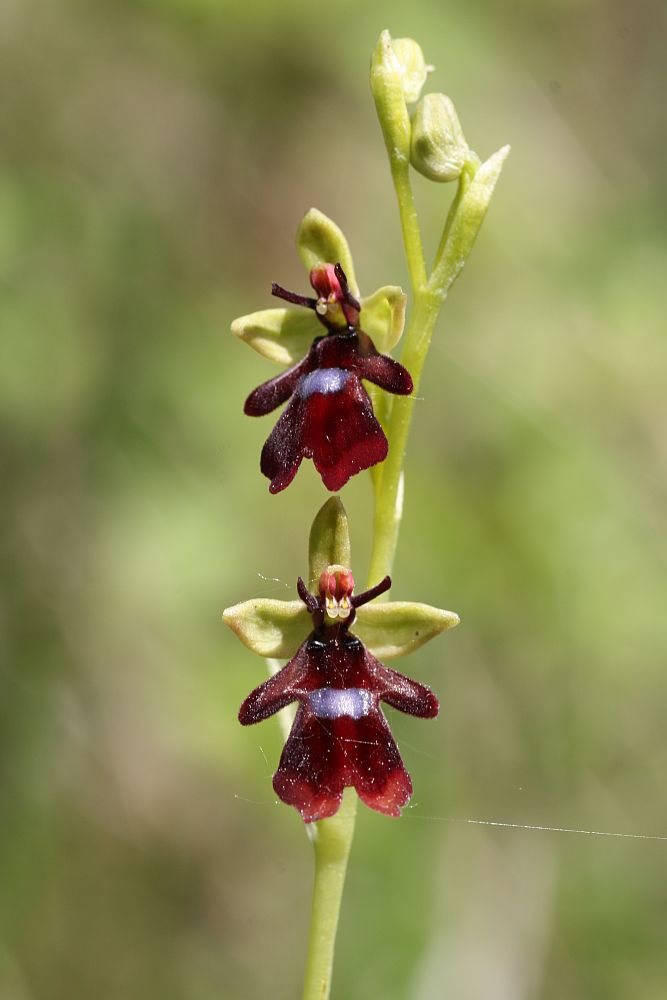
x=340 y=736
x=330 y=416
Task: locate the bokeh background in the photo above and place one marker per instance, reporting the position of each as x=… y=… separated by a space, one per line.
x=156 y=159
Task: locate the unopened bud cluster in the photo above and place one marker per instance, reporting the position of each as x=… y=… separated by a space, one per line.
x=433 y=140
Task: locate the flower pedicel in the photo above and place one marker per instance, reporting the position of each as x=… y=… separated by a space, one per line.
x=329 y=417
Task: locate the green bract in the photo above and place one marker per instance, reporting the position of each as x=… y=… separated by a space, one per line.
x=274 y=628
x=284 y=335
x=473 y=203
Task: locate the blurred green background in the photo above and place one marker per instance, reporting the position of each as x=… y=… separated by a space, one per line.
x=156 y=159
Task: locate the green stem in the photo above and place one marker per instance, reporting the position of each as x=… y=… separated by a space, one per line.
x=414 y=252
x=389 y=492
x=429 y=296
x=332 y=841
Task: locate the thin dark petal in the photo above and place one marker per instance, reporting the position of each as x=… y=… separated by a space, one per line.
x=311 y=602
x=369 y=595
x=341 y=434
x=277 y=691
x=274 y=392
x=284 y=448
x=347 y=294
x=293 y=297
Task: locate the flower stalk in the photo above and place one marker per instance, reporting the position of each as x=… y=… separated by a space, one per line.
x=332 y=841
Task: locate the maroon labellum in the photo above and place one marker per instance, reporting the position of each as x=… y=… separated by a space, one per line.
x=340 y=736
x=329 y=417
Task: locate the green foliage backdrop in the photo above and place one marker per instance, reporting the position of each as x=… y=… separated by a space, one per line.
x=156 y=159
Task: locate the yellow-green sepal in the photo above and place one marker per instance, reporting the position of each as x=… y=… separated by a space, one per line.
x=270 y=628
x=320 y=241
x=383 y=316
x=396 y=628
x=281 y=335
x=285 y=335
x=329 y=542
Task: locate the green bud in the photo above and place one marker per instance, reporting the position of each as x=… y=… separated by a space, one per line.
x=329 y=542
x=438 y=149
x=282 y=335
x=268 y=627
x=387 y=85
x=320 y=241
x=413 y=67
x=398 y=627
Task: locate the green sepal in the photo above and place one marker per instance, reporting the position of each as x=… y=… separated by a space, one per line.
x=285 y=335
x=399 y=627
x=276 y=629
x=383 y=316
x=320 y=241
x=281 y=335
x=329 y=542
x=270 y=628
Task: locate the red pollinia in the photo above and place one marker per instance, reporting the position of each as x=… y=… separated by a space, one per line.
x=329 y=417
x=340 y=736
